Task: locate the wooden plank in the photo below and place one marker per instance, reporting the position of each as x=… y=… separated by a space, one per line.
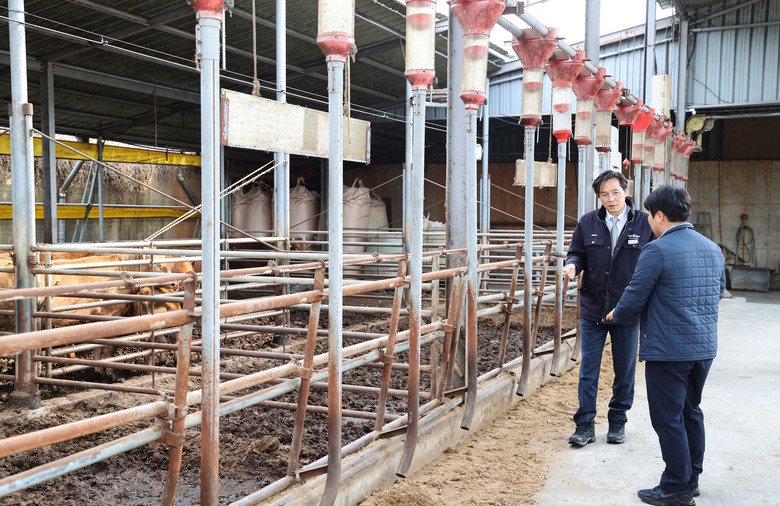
x=259 y=123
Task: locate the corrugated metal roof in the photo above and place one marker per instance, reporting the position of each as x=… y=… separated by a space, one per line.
x=125 y=69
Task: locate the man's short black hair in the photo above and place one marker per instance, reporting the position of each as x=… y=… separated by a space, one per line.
x=606 y=176
x=673 y=201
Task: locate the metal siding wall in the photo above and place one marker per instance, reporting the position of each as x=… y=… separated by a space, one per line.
x=726 y=88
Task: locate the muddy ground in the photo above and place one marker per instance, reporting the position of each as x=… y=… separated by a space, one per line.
x=507 y=461
x=254 y=443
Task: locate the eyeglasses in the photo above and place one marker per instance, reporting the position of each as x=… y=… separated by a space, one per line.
x=605 y=196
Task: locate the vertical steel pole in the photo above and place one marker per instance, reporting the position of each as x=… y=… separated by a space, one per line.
x=335 y=272
x=560 y=284
x=638 y=185
x=472 y=262
x=456 y=166
x=281 y=159
x=528 y=237
x=406 y=226
x=581 y=189
x=592 y=49
x=23 y=193
x=209 y=25
x=48 y=155
x=100 y=144
x=417 y=180
x=484 y=209
x=649 y=51
x=682 y=70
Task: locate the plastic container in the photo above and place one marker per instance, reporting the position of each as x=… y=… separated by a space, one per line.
x=604 y=131
x=531 y=108
x=637 y=146
x=583 y=123
x=561 y=112
x=336 y=27
x=473 y=78
x=420 y=40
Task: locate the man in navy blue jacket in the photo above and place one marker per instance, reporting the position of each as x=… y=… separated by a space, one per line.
x=677 y=285
x=605 y=247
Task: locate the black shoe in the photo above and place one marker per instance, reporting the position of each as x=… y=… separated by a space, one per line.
x=694 y=489
x=585 y=433
x=617 y=433
x=659 y=497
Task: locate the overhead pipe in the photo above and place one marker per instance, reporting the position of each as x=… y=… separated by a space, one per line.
x=477 y=18
x=420 y=65
x=533 y=49
x=209 y=15
x=542 y=30
x=336 y=39
x=562 y=71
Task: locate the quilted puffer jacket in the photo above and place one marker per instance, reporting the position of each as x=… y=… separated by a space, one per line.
x=677 y=285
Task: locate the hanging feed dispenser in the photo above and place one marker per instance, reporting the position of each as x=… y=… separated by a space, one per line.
x=604 y=101
x=585 y=87
x=638 y=129
x=660 y=146
x=562 y=71
x=533 y=49
x=688 y=148
x=649 y=148
x=677 y=146
x=336 y=28
x=420 y=40
x=477 y=18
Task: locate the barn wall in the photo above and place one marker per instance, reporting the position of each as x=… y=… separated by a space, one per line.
x=501 y=178
x=117 y=190
x=726 y=190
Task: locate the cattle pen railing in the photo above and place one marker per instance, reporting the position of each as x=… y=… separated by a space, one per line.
x=54 y=349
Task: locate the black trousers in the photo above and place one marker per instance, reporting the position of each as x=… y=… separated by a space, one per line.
x=673 y=395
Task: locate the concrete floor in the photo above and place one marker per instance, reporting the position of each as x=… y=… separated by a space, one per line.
x=742 y=415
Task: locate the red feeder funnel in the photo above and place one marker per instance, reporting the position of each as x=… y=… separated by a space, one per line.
x=534 y=49
x=663 y=133
x=655 y=125
x=628 y=114
x=586 y=86
x=606 y=98
x=477 y=16
x=644 y=120
x=209 y=8
x=689 y=148
x=562 y=72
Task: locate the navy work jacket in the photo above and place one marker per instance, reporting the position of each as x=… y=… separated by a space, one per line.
x=606 y=275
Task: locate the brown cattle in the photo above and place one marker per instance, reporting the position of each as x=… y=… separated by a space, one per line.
x=117 y=309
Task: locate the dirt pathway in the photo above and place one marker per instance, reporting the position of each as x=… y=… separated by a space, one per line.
x=506 y=462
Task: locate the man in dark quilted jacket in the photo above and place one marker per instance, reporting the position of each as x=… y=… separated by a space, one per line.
x=676 y=288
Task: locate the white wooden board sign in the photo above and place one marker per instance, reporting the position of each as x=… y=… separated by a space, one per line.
x=259 y=123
